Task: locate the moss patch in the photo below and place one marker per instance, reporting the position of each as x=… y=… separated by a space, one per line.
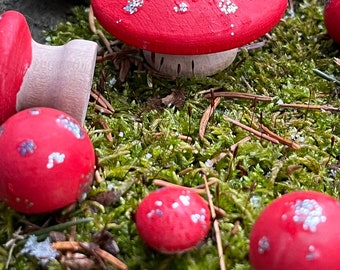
x=146 y=144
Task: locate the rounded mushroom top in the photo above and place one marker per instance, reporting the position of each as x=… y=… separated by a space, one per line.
x=173 y=219
x=189 y=26
x=300 y=230
x=15 y=59
x=47 y=163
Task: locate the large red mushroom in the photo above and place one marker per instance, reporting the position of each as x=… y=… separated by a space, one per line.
x=47 y=161
x=173 y=220
x=300 y=230
x=15 y=58
x=185 y=38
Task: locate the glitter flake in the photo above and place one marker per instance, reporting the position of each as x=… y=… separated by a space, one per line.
x=182 y=7
x=133 y=6
x=26 y=148
x=309 y=214
x=55 y=158
x=71 y=126
x=227 y=6
x=263 y=245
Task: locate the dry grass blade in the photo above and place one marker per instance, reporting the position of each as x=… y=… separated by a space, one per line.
x=216 y=226
x=76 y=246
x=102 y=101
x=239 y=95
x=206 y=116
x=98 y=32
x=311 y=107
x=337 y=61
x=251 y=130
x=179 y=136
x=279 y=138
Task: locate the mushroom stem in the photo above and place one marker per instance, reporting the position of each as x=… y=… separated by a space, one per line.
x=59 y=77
x=190 y=65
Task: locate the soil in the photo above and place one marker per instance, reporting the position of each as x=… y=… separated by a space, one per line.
x=41 y=14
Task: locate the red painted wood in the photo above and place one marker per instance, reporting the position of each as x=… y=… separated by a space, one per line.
x=159 y=26
x=332 y=19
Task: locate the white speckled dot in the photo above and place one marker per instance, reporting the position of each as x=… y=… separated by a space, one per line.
x=227 y=6
x=309 y=214
x=185 y=199
x=175 y=205
x=182 y=7
x=55 y=158
x=70 y=125
x=158 y=203
x=263 y=245
x=133 y=6
x=26 y=148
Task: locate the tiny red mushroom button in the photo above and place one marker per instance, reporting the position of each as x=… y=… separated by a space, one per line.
x=300 y=230
x=49 y=160
x=173 y=220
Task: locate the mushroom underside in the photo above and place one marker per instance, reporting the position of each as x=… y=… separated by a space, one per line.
x=190 y=65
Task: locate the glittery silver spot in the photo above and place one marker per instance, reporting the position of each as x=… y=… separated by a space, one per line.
x=133 y=6
x=263 y=245
x=185 y=199
x=175 y=205
x=55 y=158
x=2 y=129
x=312 y=253
x=26 y=148
x=34 y=111
x=182 y=7
x=227 y=6
x=309 y=213
x=71 y=126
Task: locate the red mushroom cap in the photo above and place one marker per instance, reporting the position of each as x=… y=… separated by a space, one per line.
x=332 y=19
x=300 y=230
x=15 y=58
x=47 y=160
x=190 y=26
x=172 y=219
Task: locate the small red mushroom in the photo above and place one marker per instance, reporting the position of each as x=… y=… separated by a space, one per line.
x=300 y=230
x=37 y=75
x=332 y=19
x=47 y=161
x=190 y=37
x=172 y=220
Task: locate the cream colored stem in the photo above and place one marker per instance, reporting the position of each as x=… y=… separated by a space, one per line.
x=190 y=65
x=59 y=77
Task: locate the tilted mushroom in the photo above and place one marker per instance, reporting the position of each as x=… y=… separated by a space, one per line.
x=300 y=230
x=47 y=160
x=332 y=19
x=186 y=38
x=34 y=74
x=173 y=220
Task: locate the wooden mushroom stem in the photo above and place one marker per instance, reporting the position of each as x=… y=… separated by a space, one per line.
x=190 y=65
x=59 y=77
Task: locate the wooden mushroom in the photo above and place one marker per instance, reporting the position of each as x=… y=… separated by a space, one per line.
x=59 y=77
x=186 y=38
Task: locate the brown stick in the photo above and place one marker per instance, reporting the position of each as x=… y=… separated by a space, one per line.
x=311 y=107
x=251 y=130
x=76 y=246
x=279 y=138
x=216 y=226
x=206 y=116
x=239 y=95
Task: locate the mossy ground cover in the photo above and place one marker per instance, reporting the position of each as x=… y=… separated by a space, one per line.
x=146 y=142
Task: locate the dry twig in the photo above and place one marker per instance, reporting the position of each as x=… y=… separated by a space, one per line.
x=251 y=130
x=206 y=116
x=239 y=95
x=215 y=224
x=311 y=107
x=77 y=246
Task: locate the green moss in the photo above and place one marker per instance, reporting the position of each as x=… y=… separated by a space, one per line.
x=282 y=69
